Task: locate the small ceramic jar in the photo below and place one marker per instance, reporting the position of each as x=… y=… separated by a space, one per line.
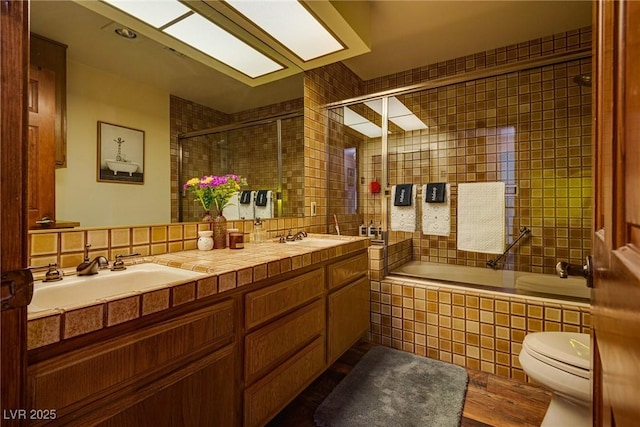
x=236 y=240
x=205 y=240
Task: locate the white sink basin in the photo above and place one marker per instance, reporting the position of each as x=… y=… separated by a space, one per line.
x=76 y=290
x=315 y=242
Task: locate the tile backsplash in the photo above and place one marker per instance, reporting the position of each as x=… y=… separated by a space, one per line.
x=66 y=247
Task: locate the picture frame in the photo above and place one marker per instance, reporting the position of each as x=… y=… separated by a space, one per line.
x=120 y=154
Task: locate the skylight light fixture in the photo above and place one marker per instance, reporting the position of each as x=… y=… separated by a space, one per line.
x=360 y=124
x=155 y=13
x=207 y=37
x=398 y=114
x=291 y=24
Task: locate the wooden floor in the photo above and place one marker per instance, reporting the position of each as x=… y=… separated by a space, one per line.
x=491 y=400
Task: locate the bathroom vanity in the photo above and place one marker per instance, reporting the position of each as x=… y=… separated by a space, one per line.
x=230 y=348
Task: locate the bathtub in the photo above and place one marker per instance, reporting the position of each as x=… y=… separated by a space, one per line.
x=518 y=282
x=126 y=167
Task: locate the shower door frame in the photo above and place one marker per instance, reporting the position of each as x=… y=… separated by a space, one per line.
x=234 y=126
x=384 y=96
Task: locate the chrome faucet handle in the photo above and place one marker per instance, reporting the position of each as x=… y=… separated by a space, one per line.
x=564 y=270
x=52 y=274
x=118 y=264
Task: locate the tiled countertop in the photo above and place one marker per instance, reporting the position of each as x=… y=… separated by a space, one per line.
x=224 y=270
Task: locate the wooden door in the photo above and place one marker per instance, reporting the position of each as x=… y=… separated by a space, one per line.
x=42 y=120
x=616 y=296
x=14 y=39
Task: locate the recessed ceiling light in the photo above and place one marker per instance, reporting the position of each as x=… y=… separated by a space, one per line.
x=126 y=33
x=291 y=24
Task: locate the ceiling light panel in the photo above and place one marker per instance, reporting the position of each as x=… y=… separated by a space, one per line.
x=154 y=12
x=212 y=40
x=360 y=124
x=291 y=24
x=398 y=114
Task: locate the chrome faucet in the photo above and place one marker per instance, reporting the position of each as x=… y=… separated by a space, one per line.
x=564 y=270
x=87 y=268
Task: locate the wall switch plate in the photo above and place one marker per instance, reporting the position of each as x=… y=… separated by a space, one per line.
x=314 y=210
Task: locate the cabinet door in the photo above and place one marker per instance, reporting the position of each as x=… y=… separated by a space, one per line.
x=41 y=175
x=273 y=301
x=51 y=55
x=270 y=345
x=345 y=271
x=203 y=394
x=264 y=399
x=348 y=317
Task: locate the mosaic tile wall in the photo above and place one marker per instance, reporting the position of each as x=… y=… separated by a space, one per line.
x=250 y=151
x=480 y=330
x=324 y=85
x=530 y=129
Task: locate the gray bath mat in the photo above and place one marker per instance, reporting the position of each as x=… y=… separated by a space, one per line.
x=392 y=388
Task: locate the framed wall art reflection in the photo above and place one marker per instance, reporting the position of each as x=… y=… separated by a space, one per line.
x=120 y=154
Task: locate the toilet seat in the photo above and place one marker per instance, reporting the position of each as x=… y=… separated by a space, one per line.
x=566 y=351
x=551 y=359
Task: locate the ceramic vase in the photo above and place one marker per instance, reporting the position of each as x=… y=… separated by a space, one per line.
x=219 y=231
x=206 y=217
x=205 y=240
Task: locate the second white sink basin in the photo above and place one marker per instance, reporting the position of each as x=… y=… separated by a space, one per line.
x=76 y=290
x=315 y=242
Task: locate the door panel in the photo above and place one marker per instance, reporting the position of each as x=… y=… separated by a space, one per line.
x=616 y=295
x=14 y=39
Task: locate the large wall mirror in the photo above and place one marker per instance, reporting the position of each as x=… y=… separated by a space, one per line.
x=131 y=83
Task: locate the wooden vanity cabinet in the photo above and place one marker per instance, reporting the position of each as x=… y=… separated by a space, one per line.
x=235 y=359
x=181 y=371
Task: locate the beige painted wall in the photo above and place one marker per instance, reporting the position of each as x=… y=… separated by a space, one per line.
x=92 y=96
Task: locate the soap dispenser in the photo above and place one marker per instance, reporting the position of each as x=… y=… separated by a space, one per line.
x=363 y=229
x=258 y=235
x=372 y=230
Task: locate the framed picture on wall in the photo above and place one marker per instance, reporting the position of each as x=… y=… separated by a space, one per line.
x=120 y=154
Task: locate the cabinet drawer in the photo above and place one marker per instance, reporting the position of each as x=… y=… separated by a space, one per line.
x=268 y=396
x=348 y=317
x=96 y=370
x=269 y=346
x=347 y=270
x=272 y=301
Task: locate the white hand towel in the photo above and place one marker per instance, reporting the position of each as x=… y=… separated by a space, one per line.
x=246 y=210
x=231 y=211
x=403 y=218
x=265 y=211
x=436 y=217
x=481 y=217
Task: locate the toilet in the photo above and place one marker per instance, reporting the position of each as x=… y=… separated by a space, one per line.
x=560 y=361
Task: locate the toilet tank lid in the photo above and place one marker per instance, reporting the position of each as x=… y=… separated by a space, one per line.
x=566 y=347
